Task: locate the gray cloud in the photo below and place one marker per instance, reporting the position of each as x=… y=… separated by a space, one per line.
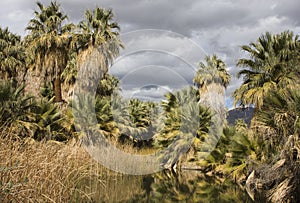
x=156 y=93
x=218 y=26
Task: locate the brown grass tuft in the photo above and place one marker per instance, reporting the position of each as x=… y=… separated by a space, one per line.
x=33 y=171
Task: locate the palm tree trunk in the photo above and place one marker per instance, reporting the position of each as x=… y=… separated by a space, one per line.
x=57 y=90
x=213 y=96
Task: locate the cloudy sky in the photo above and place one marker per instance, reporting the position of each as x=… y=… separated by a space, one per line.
x=188 y=30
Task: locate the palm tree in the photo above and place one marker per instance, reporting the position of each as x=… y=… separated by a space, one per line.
x=98 y=43
x=273 y=65
x=278 y=118
x=243 y=150
x=48 y=43
x=49 y=121
x=108 y=86
x=15 y=115
x=12 y=57
x=142 y=118
x=212 y=78
x=185 y=126
x=139 y=113
x=22 y=116
x=277 y=124
x=134 y=118
x=105 y=117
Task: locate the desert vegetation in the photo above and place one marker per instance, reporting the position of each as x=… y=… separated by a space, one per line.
x=41 y=153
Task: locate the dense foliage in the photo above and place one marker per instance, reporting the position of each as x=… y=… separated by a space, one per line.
x=262 y=156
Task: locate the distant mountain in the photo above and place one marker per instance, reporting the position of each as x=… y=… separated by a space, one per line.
x=240 y=113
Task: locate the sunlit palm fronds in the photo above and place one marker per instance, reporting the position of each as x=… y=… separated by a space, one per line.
x=15 y=114
x=12 y=55
x=48 y=43
x=186 y=124
x=273 y=64
x=98 y=44
x=214 y=71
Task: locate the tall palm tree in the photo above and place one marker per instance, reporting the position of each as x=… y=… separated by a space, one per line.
x=48 y=43
x=12 y=57
x=273 y=65
x=212 y=78
x=98 y=43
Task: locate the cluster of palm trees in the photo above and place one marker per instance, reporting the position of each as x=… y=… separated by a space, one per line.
x=57 y=48
x=50 y=57
x=23 y=116
x=55 y=52
x=271 y=84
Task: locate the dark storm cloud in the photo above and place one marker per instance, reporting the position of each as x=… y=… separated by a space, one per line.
x=289 y=9
x=184 y=17
x=218 y=26
x=187 y=16
x=154 y=66
x=152 y=94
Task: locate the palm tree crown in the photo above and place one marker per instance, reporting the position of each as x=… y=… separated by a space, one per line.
x=214 y=71
x=273 y=65
x=97 y=27
x=98 y=43
x=212 y=78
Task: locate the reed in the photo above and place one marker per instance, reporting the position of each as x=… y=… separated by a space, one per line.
x=32 y=171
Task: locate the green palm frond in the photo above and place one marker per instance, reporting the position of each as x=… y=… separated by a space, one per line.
x=214 y=71
x=186 y=124
x=273 y=64
x=12 y=55
x=278 y=117
x=48 y=44
x=15 y=110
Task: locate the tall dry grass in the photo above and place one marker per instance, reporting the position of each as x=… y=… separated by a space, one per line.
x=33 y=171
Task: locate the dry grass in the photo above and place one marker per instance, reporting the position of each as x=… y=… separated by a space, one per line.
x=129 y=148
x=32 y=171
